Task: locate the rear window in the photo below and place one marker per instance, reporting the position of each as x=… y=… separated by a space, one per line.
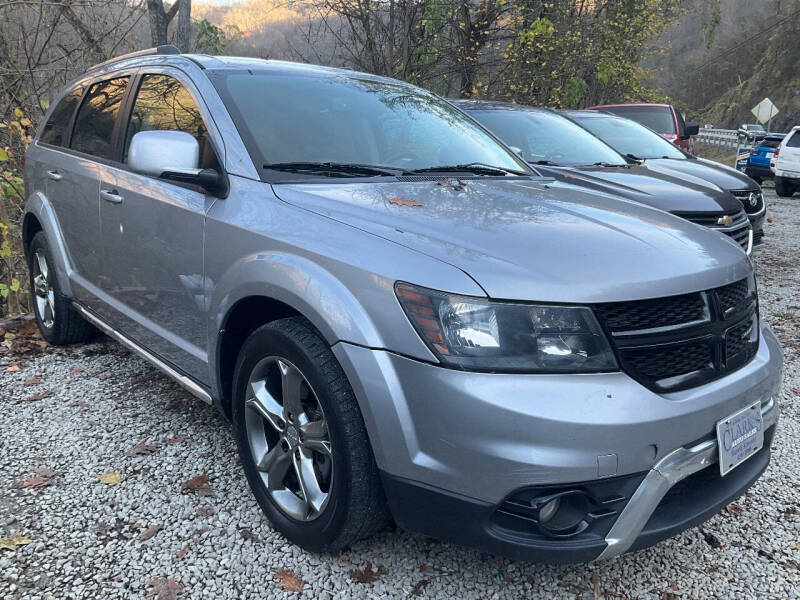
x=97 y=117
x=794 y=141
x=56 y=130
x=657 y=118
x=770 y=143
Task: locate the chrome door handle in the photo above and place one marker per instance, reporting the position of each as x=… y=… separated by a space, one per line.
x=54 y=175
x=111 y=196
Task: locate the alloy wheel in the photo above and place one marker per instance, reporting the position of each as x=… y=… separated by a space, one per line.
x=289 y=438
x=43 y=290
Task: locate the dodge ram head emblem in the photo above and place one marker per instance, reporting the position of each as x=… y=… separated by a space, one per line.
x=726 y=220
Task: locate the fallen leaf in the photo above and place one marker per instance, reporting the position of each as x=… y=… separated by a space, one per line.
x=76 y=371
x=404 y=201
x=182 y=553
x=112 y=478
x=35 y=482
x=175 y=440
x=78 y=403
x=420 y=586
x=205 y=511
x=198 y=485
x=289 y=581
x=40 y=396
x=103 y=377
x=13 y=368
x=14 y=540
x=248 y=534
x=142 y=448
x=150 y=532
x=165 y=588
x=368 y=574
x=733 y=509
x=33 y=381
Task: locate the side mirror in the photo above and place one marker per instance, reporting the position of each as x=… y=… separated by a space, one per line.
x=690 y=129
x=173 y=155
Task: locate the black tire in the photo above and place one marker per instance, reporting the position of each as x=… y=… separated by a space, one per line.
x=784 y=188
x=66 y=325
x=356 y=507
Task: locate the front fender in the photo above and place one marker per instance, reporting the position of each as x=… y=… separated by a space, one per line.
x=39 y=207
x=301 y=284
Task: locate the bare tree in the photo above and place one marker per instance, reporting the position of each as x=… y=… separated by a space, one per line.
x=160 y=18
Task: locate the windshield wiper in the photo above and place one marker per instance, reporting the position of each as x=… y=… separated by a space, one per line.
x=474 y=167
x=634 y=158
x=607 y=164
x=335 y=169
x=546 y=163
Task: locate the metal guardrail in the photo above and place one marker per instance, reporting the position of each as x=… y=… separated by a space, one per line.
x=719 y=137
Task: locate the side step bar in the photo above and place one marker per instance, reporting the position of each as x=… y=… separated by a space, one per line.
x=187 y=383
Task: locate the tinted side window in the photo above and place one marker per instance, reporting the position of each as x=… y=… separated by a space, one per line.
x=56 y=130
x=794 y=141
x=94 y=126
x=163 y=103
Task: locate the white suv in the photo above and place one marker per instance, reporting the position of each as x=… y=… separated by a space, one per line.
x=785 y=164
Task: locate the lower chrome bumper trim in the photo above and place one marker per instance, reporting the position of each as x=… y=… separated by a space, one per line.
x=674 y=467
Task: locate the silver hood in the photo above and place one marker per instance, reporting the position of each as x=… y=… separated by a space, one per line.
x=535 y=240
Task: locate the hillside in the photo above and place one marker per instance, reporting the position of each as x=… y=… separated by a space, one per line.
x=753 y=53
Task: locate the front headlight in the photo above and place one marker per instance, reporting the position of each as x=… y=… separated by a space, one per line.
x=475 y=333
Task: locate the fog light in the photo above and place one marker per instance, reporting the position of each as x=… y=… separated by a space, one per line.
x=549 y=510
x=563 y=514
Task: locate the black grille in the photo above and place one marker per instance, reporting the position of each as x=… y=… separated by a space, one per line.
x=683 y=341
x=744 y=197
x=737 y=341
x=731 y=296
x=658 y=312
x=663 y=362
x=738 y=228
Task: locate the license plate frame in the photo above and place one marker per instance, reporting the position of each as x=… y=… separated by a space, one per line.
x=739 y=436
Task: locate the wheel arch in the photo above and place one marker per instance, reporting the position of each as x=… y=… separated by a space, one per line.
x=40 y=216
x=270 y=286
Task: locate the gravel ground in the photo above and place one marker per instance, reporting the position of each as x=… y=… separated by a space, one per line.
x=109 y=413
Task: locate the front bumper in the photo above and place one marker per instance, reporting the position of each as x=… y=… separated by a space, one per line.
x=660 y=506
x=479 y=438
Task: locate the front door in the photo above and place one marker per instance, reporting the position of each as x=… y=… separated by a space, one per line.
x=153 y=235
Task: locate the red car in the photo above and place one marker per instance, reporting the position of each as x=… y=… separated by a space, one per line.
x=664 y=119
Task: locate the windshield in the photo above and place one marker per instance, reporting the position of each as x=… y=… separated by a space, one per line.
x=546 y=137
x=657 y=118
x=628 y=137
x=291 y=119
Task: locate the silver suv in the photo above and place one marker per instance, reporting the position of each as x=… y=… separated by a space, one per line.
x=401 y=319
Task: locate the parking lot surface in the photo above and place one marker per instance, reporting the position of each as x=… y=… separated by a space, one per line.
x=116 y=483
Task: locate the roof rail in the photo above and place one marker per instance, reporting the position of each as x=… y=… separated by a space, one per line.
x=165 y=49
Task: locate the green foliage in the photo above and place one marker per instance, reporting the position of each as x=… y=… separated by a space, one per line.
x=209 y=39
x=16 y=131
x=570 y=54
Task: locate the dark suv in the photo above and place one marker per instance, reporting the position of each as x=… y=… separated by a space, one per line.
x=665 y=119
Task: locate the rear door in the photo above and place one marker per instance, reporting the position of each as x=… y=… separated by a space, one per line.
x=72 y=178
x=153 y=230
x=55 y=176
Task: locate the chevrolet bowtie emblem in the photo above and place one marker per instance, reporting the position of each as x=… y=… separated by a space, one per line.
x=726 y=220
